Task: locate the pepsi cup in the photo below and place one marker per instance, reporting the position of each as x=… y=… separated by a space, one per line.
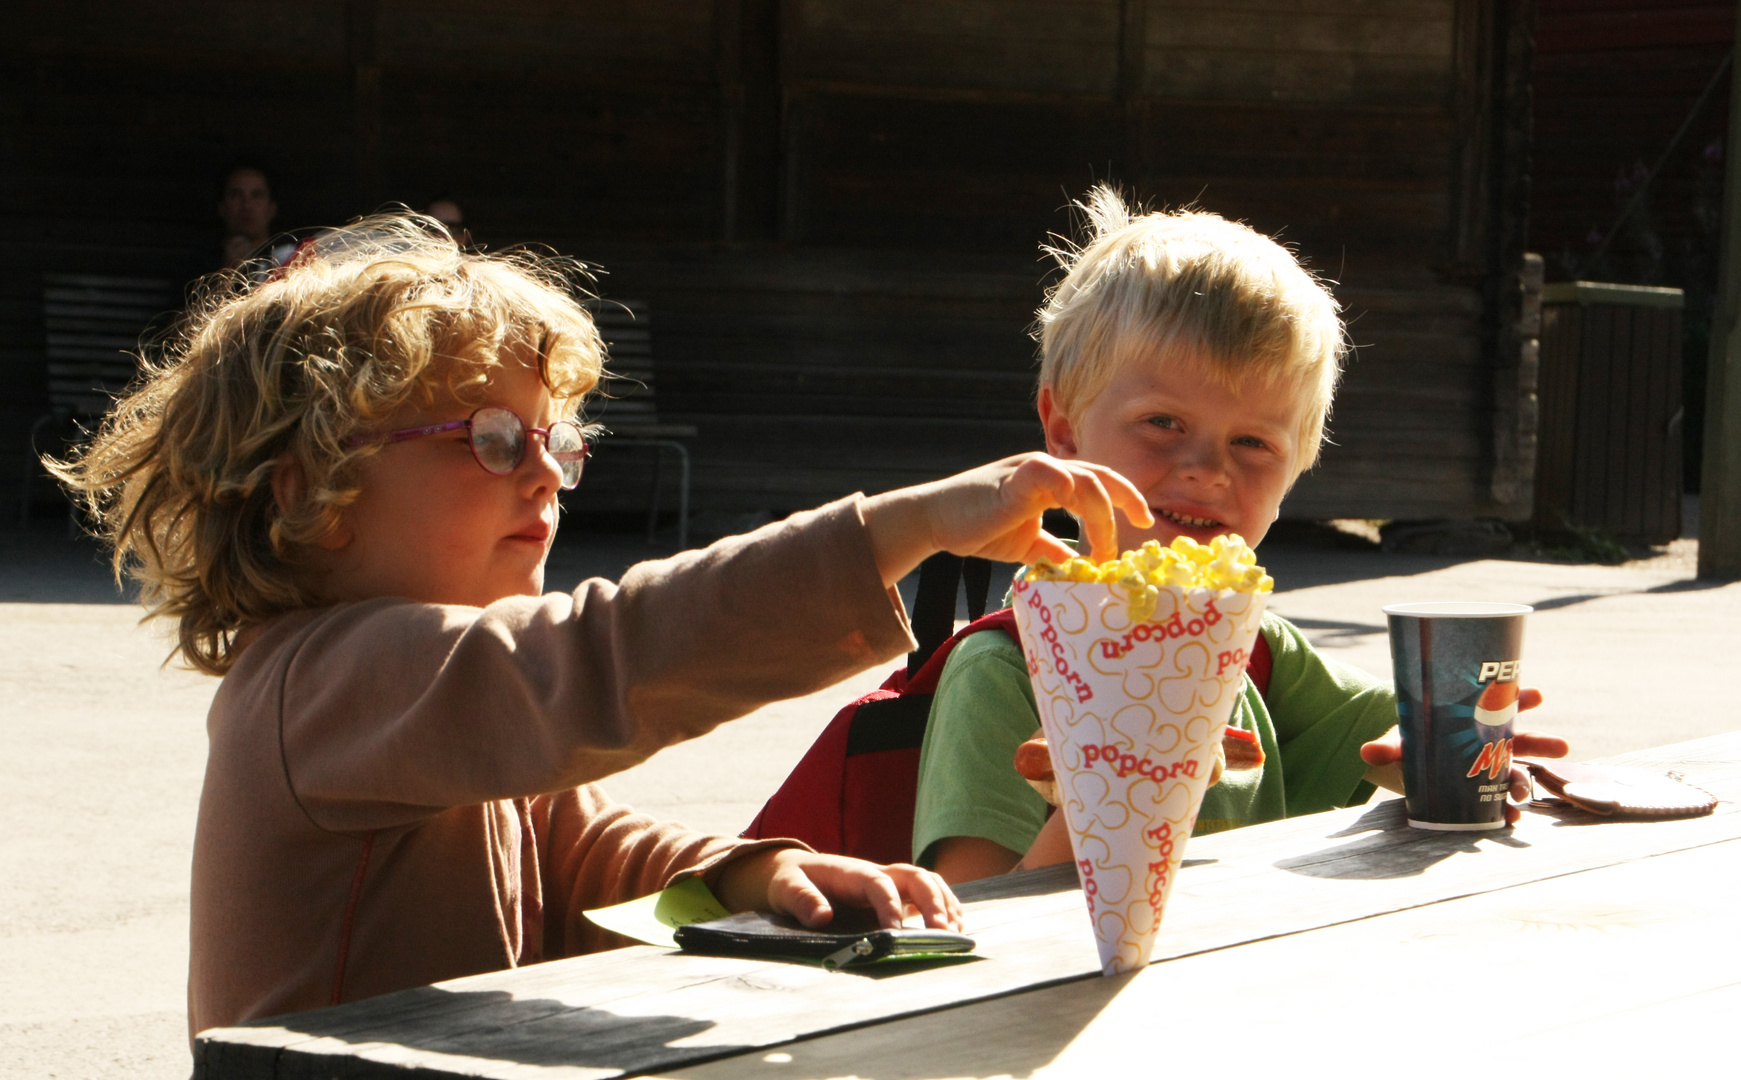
x=1456 y=667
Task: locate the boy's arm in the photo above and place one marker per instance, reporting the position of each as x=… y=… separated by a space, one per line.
x=1323 y=712
x=969 y=858
x=974 y=814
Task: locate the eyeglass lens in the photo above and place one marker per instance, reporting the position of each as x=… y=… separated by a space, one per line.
x=568 y=446
x=498 y=438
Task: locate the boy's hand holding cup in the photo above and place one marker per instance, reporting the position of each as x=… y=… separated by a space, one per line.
x=1457 y=666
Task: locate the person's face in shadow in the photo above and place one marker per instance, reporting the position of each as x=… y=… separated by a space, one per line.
x=246 y=208
x=449 y=214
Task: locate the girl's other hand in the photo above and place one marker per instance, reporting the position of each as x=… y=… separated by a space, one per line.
x=807 y=886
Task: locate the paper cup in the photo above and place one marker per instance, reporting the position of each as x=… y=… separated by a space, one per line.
x=1457 y=666
x=1133 y=713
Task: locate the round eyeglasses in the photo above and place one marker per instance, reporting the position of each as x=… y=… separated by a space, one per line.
x=498 y=441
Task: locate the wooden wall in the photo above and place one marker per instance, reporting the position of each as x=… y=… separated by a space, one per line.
x=833 y=207
x=1616 y=80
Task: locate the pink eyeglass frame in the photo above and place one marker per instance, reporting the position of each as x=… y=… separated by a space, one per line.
x=405 y=434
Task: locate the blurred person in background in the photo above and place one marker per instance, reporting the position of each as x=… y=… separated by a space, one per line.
x=446 y=210
x=247 y=210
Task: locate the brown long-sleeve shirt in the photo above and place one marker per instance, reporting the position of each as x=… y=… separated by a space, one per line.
x=409 y=784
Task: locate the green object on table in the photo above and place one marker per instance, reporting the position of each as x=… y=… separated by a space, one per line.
x=652 y=918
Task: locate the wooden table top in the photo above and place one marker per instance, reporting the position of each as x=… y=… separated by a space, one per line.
x=1606 y=946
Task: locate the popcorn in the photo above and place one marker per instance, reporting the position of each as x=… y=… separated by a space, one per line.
x=1223 y=564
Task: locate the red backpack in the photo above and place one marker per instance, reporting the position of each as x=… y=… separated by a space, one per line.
x=853 y=791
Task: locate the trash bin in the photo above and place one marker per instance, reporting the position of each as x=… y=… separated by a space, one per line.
x=1609 y=449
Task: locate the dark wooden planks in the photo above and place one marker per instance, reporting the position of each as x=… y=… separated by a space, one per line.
x=826 y=134
x=1319 y=52
x=635 y=1010
x=1613 y=83
x=883 y=168
x=1036 y=46
x=812 y=378
x=1612 y=412
x=604 y=41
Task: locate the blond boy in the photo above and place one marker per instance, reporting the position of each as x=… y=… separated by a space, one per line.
x=1197 y=358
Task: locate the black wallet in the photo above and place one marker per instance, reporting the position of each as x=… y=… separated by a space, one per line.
x=853 y=937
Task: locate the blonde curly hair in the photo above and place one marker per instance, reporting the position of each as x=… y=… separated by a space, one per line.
x=1164 y=286
x=364 y=321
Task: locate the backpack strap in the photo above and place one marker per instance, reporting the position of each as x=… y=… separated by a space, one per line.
x=934 y=605
x=924 y=680
x=976 y=580
x=1258 y=667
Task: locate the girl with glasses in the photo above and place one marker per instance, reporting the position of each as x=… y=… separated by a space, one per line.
x=340 y=485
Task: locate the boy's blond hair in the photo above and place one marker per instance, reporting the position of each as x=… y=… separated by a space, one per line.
x=1164 y=287
x=366 y=320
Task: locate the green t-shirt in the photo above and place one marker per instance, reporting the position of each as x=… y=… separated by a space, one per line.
x=1317 y=715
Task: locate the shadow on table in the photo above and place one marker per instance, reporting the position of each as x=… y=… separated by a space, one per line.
x=445 y=1031
x=980 y=1039
x=1380 y=856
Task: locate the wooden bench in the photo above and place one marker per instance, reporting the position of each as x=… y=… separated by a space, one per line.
x=629 y=409
x=92 y=326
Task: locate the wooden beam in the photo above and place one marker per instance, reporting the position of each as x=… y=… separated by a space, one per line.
x=1472 y=106
x=728 y=66
x=1516 y=408
x=789 y=31
x=1493 y=57
x=1133 y=48
x=747 y=55
x=362 y=31
x=1720 y=487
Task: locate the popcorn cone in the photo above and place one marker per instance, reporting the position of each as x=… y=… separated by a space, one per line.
x=1133 y=711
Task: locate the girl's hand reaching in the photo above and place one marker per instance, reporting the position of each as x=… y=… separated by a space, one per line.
x=994 y=512
x=807 y=886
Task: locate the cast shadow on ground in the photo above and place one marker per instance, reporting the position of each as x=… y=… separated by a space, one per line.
x=1338 y=633
x=1299 y=566
x=1690 y=585
x=40 y=563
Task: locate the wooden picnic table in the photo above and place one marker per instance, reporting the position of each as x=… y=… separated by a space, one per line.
x=1595 y=946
